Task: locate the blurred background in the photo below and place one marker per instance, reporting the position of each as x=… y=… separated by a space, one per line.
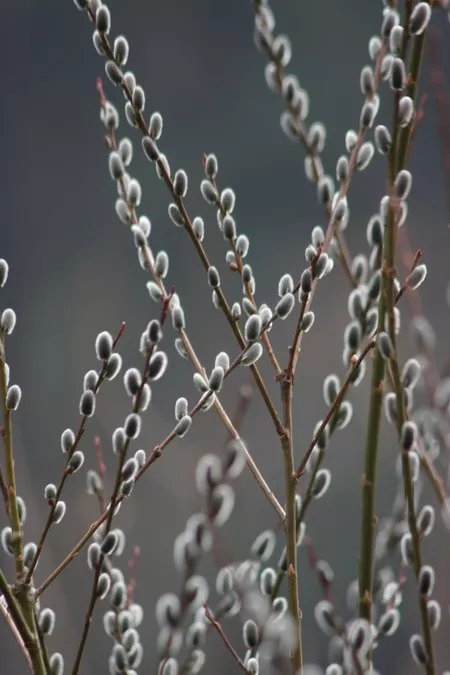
x=74 y=272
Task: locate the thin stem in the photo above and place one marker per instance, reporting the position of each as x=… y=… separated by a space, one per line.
x=290 y=526
x=12 y=612
x=42 y=645
x=231 y=429
x=397 y=159
x=356 y=362
x=247 y=286
x=301 y=132
x=115 y=493
x=216 y=625
x=409 y=496
x=35 y=649
x=415 y=64
x=67 y=472
x=294 y=350
x=22 y=610
x=13 y=511
x=402 y=150
x=370 y=466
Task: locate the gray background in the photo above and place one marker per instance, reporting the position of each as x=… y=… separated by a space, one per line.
x=73 y=272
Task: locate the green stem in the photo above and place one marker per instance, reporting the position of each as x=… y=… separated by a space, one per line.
x=290 y=526
x=369 y=483
x=13 y=511
x=17 y=616
x=409 y=497
x=26 y=603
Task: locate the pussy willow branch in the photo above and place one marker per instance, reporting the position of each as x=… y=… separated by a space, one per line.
x=397 y=159
x=355 y=364
x=343 y=189
x=401 y=417
x=248 y=290
x=114 y=495
x=23 y=609
x=290 y=526
x=372 y=434
x=294 y=350
x=291 y=478
x=249 y=293
x=155 y=454
x=409 y=495
x=287 y=398
x=13 y=511
x=67 y=472
x=434 y=478
x=400 y=148
x=13 y=615
x=415 y=64
x=216 y=625
x=190 y=349
x=306 y=500
x=286 y=385
x=265 y=338
x=42 y=644
x=198 y=247
x=302 y=135
x=228 y=424
x=430 y=371
x=190 y=570
x=218 y=613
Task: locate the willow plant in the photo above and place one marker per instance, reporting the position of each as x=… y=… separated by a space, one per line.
x=264 y=594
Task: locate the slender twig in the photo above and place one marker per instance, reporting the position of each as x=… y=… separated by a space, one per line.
x=290 y=526
x=397 y=159
x=67 y=472
x=400 y=153
x=238 y=266
x=22 y=610
x=42 y=645
x=409 y=494
x=13 y=511
x=343 y=189
x=404 y=287
x=216 y=625
x=301 y=132
x=114 y=497
x=13 y=615
x=355 y=364
x=294 y=350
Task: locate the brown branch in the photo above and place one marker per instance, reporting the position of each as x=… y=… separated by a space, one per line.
x=216 y=625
